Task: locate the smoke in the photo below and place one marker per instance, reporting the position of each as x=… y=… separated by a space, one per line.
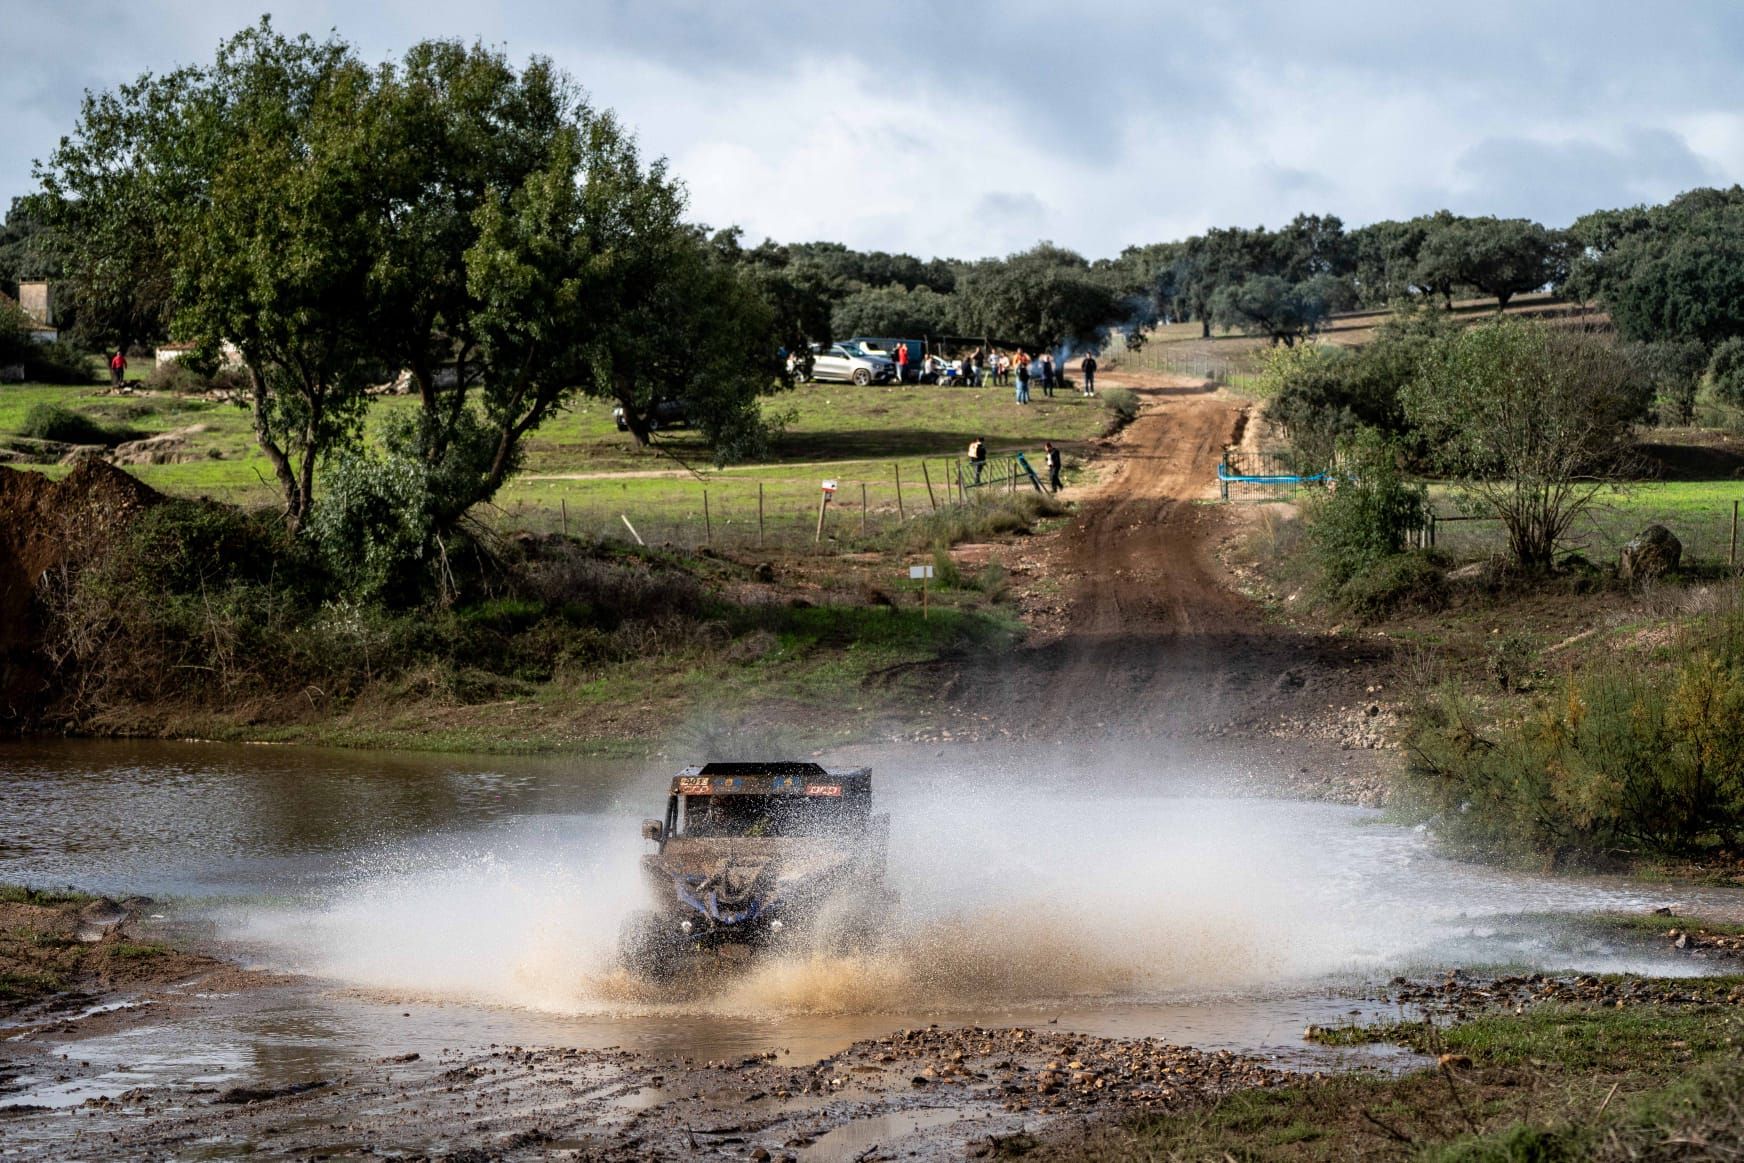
x=1010 y=895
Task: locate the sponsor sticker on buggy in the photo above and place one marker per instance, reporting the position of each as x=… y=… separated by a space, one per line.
x=823 y=789
x=693 y=785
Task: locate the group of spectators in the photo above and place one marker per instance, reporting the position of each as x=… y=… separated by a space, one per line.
x=995 y=368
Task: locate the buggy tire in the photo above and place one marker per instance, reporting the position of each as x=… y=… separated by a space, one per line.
x=650 y=948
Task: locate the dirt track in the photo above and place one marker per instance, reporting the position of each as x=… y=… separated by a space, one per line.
x=1155 y=641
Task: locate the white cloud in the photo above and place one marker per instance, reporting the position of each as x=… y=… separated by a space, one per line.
x=1113 y=122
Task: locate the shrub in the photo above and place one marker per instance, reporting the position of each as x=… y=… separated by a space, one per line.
x=1367 y=514
x=1003 y=513
x=56 y=422
x=1620 y=762
x=1404 y=581
x=177 y=376
x=1726 y=372
x=1122 y=404
x=58 y=363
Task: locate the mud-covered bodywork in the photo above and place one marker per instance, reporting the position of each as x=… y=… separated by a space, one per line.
x=752 y=854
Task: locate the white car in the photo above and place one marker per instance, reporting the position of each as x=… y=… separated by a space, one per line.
x=840 y=364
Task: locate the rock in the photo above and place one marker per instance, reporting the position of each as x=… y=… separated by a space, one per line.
x=761 y=1155
x=1655 y=551
x=1454 y=1061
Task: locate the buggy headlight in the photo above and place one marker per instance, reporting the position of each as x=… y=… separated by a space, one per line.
x=685 y=927
x=776 y=926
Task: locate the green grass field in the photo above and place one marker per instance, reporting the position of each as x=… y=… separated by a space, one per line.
x=583 y=474
x=1698 y=512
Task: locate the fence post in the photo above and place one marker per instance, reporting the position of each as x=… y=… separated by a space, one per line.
x=759 y=514
x=900 y=515
x=564 y=501
x=928 y=477
x=823 y=504
x=862 y=508
x=1732 y=558
x=708 y=525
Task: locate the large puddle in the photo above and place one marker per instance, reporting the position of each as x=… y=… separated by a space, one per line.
x=442 y=903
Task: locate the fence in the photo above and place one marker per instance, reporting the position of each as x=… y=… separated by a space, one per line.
x=788 y=514
x=1162 y=358
x=1710 y=535
x=1258 y=472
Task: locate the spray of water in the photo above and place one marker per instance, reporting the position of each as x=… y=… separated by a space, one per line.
x=1007 y=898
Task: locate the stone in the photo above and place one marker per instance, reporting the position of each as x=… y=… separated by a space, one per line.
x=1654 y=551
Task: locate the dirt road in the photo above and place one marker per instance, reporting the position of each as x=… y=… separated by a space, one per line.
x=1154 y=640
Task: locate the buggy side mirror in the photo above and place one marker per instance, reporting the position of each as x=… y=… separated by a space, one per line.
x=652 y=829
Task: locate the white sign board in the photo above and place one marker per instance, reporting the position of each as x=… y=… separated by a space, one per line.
x=918 y=572
x=829 y=486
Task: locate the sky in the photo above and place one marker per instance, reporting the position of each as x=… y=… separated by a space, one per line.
x=966 y=128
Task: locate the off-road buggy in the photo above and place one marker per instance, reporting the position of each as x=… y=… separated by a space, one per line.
x=759 y=855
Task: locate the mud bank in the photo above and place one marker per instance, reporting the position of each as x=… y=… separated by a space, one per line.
x=934 y=1091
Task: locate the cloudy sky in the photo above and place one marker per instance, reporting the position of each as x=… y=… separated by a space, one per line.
x=970 y=127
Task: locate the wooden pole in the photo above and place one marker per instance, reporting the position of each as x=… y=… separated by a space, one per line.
x=759 y=514
x=708 y=526
x=923 y=598
x=632 y=529
x=900 y=515
x=1734 y=555
x=564 y=501
x=928 y=477
x=862 y=508
x=823 y=503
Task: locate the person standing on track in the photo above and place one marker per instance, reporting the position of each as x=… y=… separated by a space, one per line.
x=1053 y=465
x=1088 y=367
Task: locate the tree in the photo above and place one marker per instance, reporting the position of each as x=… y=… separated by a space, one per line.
x=1531 y=422
x=1039 y=299
x=1504 y=257
x=1688 y=285
x=893 y=311
x=1269 y=305
x=280 y=255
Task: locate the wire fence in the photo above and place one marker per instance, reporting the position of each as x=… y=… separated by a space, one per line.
x=1709 y=535
x=1163 y=359
x=744 y=514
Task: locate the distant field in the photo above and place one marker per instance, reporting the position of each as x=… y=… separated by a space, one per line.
x=1698 y=512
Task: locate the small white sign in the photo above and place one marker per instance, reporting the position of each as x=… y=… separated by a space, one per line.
x=918 y=572
x=829 y=486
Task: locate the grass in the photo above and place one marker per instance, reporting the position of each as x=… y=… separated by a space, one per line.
x=23 y=894
x=1555 y=1083
x=1698 y=512
x=578 y=463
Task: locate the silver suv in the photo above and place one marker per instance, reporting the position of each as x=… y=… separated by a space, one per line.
x=839 y=363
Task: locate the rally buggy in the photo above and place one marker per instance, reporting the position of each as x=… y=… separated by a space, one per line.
x=754 y=856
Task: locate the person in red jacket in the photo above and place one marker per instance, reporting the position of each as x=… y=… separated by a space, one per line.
x=117 y=368
x=902 y=363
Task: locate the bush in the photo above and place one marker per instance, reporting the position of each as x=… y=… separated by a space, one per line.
x=1123 y=404
x=1619 y=763
x=1392 y=585
x=58 y=363
x=1367 y=514
x=176 y=376
x=1667 y=373
x=61 y=424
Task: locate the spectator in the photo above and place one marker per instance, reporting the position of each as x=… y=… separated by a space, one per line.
x=978 y=456
x=1088 y=367
x=901 y=354
x=1022 y=370
x=1053 y=465
x=117 y=368
x=1047 y=362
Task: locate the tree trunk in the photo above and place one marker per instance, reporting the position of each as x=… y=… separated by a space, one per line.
x=275 y=455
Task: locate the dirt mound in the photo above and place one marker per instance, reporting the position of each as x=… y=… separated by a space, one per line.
x=46 y=525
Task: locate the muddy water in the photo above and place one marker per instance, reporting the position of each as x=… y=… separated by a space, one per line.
x=437 y=902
